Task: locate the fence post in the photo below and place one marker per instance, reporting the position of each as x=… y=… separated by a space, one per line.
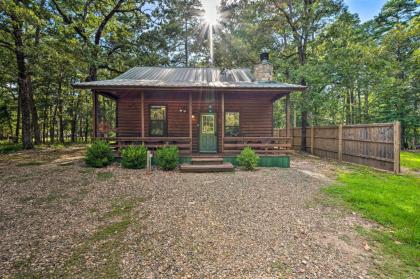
x=397 y=135
x=340 y=142
x=293 y=137
x=149 y=161
x=312 y=140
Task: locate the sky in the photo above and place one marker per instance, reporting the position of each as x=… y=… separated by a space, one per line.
x=366 y=9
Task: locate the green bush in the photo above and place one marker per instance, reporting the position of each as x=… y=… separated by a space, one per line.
x=99 y=155
x=248 y=158
x=167 y=157
x=134 y=157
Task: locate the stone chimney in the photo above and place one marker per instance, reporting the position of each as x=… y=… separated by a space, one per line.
x=264 y=70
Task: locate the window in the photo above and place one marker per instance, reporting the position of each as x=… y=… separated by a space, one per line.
x=158 y=123
x=232 y=124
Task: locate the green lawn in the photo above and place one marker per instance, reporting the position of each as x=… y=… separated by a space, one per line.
x=410 y=160
x=394 y=202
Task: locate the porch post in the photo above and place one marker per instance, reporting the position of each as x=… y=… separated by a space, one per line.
x=95 y=115
x=142 y=114
x=223 y=123
x=287 y=106
x=190 y=120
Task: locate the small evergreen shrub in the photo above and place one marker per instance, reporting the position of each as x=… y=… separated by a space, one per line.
x=248 y=158
x=99 y=155
x=167 y=157
x=134 y=157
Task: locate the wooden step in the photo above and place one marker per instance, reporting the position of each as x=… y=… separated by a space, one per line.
x=206 y=160
x=225 y=167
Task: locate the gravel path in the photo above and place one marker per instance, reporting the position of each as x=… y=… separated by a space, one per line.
x=61 y=219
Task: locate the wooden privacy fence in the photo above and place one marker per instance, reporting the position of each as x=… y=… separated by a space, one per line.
x=376 y=145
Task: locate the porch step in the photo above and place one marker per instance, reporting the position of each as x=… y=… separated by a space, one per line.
x=224 y=167
x=206 y=160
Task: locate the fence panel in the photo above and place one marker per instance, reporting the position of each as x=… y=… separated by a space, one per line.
x=375 y=145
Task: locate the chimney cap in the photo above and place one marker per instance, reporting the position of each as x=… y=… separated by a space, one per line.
x=264 y=56
x=265 y=50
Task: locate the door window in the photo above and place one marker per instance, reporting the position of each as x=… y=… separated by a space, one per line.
x=207 y=126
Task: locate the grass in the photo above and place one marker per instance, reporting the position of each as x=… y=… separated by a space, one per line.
x=31 y=163
x=394 y=202
x=107 y=244
x=410 y=160
x=6 y=148
x=103 y=176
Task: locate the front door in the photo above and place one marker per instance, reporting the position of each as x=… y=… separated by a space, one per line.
x=208 y=138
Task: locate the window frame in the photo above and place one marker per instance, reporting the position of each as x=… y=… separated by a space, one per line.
x=239 y=124
x=165 y=125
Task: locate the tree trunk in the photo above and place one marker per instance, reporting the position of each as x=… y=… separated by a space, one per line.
x=351 y=106
x=304 y=112
x=44 y=127
x=75 y=108
x=9 y=123
x=92 y=73
x=348 y=120
x=87 y=116
x=73 y=128
x=23 y=85
x=86 y=128
x=366 y=108
x=404 y=141
x=52 y=125
x=80 y=134
x=359 y=106
x=34 y=114
x=18 y=114
x=186 y=42
x=60 y=111
x=304 y=118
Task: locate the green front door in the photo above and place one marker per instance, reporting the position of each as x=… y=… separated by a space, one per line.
x=208 y=138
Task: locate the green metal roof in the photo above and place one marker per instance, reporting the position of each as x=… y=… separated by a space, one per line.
x=155 y=77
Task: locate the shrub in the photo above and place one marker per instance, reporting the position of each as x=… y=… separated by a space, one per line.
x=167 y=157
x=248 y=158
x=134 y=157
x=99 y=155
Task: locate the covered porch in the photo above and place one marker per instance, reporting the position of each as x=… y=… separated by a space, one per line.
x=191 y=116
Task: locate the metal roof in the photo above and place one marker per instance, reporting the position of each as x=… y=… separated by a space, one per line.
x=139 y=77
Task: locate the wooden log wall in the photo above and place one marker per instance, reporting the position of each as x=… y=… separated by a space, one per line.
x=375 y=145
x=255 y=113
x=130 y=119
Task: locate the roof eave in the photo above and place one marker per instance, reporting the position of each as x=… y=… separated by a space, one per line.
x=221 y=88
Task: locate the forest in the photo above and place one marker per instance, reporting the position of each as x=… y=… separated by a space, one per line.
x=355 y=72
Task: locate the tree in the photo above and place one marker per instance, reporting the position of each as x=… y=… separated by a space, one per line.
x=16 y=19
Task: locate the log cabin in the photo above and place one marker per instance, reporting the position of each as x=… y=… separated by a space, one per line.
x=203 y=111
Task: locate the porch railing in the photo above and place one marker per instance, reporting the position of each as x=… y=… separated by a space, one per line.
x=184 y=144
x=262 y=145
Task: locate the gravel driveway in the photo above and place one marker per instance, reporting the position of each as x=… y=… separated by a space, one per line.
x=61 y=219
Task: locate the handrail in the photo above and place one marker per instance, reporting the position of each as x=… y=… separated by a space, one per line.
x=262 y=145
x=255 y=138
x=146 y=138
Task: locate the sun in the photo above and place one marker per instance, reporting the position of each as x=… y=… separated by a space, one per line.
x=211 y=15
